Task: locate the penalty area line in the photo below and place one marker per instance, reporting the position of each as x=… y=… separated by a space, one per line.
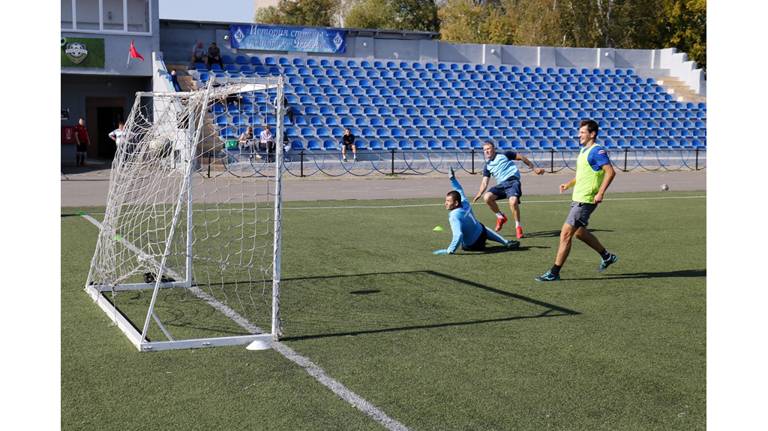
x=310 y=367
x=554 y=201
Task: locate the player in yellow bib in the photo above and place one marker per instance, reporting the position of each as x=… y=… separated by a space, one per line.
x=594 y=174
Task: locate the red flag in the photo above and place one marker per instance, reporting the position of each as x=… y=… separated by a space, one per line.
x=133 y=53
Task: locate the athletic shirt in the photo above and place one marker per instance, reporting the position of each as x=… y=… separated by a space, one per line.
x=464 y=226
x=502 y=167
x=589 y=173
x=82 y=133
x=119 y=136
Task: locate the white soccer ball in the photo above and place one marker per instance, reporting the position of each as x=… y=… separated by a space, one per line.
x=664 y=187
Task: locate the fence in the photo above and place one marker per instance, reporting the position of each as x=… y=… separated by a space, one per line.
x=305 y=163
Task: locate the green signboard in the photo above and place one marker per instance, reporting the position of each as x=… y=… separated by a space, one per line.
x=82 y=52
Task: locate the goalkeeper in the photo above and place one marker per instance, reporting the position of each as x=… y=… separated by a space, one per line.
x=467 y=231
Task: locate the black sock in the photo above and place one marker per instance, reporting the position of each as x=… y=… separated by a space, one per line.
x=555 y=269
x=605 y=255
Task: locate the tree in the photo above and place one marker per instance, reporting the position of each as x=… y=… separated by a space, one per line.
x=418 y=15
x=465 y=21
x=535 y=22
x=685 y=27
x=318 y=13
x=412 y=15
x=371 y=14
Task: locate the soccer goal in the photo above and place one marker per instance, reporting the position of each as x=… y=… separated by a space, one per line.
x=188 y=252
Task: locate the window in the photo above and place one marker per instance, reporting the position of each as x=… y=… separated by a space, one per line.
x=107 y=16
x=112 y=14
x=66 y=14
x=138 y=15
x=87 y=14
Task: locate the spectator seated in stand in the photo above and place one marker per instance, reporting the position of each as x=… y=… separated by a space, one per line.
x=198 y=54
x=214 y=56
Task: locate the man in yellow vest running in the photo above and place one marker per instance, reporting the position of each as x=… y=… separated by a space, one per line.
x=594 y=174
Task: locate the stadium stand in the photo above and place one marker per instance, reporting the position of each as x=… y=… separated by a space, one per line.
x=408 y=105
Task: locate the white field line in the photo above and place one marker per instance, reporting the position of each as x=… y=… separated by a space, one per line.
x=481 y=203
x=559 y=201
x=310 y=367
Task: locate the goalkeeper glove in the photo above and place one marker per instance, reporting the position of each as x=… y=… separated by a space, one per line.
x=441 y=252
x=451 y=174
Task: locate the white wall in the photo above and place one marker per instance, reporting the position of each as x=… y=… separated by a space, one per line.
x=678 y=65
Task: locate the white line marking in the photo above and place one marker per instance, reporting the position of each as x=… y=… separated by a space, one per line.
x=349 y=207
x=480 y=203
x=310 y=367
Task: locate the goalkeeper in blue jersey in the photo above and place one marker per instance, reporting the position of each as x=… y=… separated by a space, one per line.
x=467 y=231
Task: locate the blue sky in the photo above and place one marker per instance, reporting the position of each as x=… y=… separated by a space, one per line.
x=208 y=10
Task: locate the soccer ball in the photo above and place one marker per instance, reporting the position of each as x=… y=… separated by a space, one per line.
x=664 y=187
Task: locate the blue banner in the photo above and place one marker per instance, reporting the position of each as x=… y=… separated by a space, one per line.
x=279 y=38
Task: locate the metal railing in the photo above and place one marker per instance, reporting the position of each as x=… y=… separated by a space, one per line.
x=305 y=163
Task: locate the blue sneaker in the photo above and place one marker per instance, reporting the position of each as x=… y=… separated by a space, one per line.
x=548 y=276
x=604 y=264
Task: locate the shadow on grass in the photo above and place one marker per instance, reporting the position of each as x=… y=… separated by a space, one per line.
x=685 y=273
x=550 y=310
x=500 y=249
x=556 y=233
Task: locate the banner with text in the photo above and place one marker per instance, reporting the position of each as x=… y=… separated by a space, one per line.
x=82 y=52
x=279 y=38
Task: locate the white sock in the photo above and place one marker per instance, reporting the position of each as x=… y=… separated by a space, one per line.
x=500 y=214
x=517 y=224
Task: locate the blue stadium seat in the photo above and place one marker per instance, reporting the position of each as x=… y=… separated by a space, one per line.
x=222 y=121
x=297 y=145
x=330 y=145
x=361 y=144
x=314 y=145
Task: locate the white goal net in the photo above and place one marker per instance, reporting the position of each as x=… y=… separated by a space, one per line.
x=188 y=253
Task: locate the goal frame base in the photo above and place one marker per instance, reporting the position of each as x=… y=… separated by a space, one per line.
x=144 y=345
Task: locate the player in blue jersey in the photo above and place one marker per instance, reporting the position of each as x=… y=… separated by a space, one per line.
x=467 y=231
x=503 y=168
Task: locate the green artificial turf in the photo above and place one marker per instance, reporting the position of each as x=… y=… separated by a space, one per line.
x=462 y=342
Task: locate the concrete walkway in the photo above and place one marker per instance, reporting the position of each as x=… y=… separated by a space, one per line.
x=88 y=187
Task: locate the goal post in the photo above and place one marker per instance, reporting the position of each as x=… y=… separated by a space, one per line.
x=188 y=251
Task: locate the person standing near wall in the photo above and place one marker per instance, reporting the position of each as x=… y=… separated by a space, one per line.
x=82 y=141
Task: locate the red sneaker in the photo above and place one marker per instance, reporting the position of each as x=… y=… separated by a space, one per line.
x=500 y=222
x=519 y=230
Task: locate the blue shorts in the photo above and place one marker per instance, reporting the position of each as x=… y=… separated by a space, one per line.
x=508 y=188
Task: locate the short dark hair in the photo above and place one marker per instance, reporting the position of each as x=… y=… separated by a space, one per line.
x=455 y=195
x=592 y=126
x=489 y=143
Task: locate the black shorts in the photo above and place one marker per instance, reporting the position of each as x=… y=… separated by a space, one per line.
x=479 y=244
x=82 y=148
